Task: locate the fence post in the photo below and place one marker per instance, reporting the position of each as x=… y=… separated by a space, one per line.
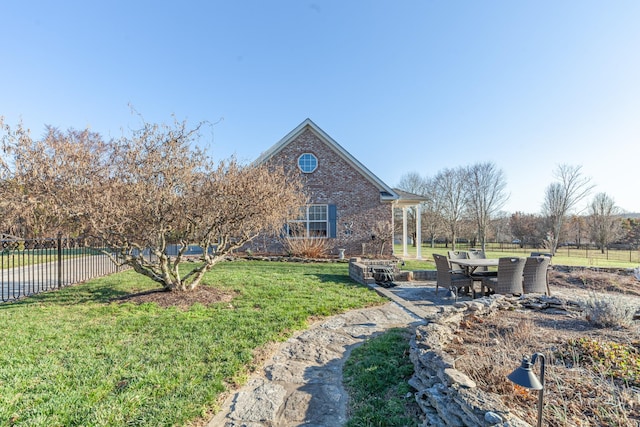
x=59 y=260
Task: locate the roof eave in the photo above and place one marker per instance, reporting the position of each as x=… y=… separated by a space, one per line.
x=370 y=176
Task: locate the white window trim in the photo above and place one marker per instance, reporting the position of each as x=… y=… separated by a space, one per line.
x=308 y=154
x=306 y=221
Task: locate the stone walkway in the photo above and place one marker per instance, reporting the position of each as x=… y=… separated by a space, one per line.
x=302 y=382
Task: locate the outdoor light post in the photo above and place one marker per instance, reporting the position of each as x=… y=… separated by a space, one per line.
x=524 y=376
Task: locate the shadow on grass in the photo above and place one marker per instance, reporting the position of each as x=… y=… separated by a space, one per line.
x=101 y=290
x=67 y=296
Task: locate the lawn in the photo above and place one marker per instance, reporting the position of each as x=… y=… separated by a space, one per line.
x=564 y=256
x=81 y=356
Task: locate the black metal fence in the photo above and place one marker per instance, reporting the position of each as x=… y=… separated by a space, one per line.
x=584 y=251
x=32 y=266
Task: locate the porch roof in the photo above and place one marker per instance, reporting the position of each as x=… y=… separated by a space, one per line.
x=406 y=198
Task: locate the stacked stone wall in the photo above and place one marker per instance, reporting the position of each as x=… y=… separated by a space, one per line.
x=359 y=269
x=447 y=396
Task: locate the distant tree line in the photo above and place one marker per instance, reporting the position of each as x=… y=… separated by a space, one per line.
x=465 y=203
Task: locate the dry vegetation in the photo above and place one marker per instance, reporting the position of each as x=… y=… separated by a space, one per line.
x=306 y=247
x=592 y=374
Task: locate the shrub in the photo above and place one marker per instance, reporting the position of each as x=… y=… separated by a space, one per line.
x=609 y=311
x=307 y=247
x=617 y=361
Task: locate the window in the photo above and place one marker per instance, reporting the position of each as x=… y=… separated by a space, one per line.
x=307 y=163
x=314 y=221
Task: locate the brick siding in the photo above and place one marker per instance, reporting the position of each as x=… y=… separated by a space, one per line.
x=337 y=182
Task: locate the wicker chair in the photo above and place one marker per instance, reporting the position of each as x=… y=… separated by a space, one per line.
x=480 y=272
x=509 y=280
x=447 y=279
x=534 y=254
x=456 y=268
x=535 y=275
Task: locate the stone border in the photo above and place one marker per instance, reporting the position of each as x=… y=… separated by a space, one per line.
x=447 y=396
x=359 y=269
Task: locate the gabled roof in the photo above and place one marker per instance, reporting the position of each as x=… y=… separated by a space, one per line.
x=408 y=199
x=386 y=193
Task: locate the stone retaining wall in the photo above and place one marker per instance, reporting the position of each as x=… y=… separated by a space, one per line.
x=447 y=396
x=359 y=269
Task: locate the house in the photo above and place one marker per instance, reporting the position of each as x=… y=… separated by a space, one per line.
x=348 y=204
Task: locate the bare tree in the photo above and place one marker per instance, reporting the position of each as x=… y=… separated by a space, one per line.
x=561 y=197
x=450 y=185
x=381 y=234
x=412 y=182
x=45 y=178
x=576 y=229
x=524 y=227
x=604 y=224
x=631 y=231
x=500 y=226
x=151 y=192
x=432 y=221
x=485 y=193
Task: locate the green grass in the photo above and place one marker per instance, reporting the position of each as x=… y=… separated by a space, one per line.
x=73 y=357
x=18 y=259
x=13 y=259
x=376 y=376
x=564 y=256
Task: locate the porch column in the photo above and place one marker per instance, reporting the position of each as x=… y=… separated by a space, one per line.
x=418 y=232
x=405 y=252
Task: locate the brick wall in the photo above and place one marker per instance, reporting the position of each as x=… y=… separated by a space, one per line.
x=337 y=182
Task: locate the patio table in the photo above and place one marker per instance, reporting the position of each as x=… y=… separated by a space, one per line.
x=470 y=265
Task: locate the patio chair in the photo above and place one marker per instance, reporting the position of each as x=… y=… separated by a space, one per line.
x=548 y=255
x=446 y=278
x=509 y=279
x=536 y=279
x=480 y=272
x=456 y=268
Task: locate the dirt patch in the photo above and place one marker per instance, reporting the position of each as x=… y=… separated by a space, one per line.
x=205 y=295
x=590 y=280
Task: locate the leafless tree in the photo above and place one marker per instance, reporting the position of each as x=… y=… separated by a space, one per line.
x=412 y=182
x=527 y=228
x=485 y=193
x=381 y=234
x=432 y=220
x=45 y=178
x=450 y=186
x=500 y=226
x=604 y=223
x=576 y=229
x=631 y=231
x=561 y=197
x=149 y=192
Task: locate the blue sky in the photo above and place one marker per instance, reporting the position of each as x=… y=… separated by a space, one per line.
x=403 y=85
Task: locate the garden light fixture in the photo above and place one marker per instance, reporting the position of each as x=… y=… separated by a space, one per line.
x=524 y=376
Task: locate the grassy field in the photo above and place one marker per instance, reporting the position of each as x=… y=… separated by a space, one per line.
x=564 y=256
x=76 y=357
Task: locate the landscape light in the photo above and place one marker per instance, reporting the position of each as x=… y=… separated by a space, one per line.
x=524 y=376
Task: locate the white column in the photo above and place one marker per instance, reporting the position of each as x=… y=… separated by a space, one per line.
x=418 y=232
x=405 y=252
